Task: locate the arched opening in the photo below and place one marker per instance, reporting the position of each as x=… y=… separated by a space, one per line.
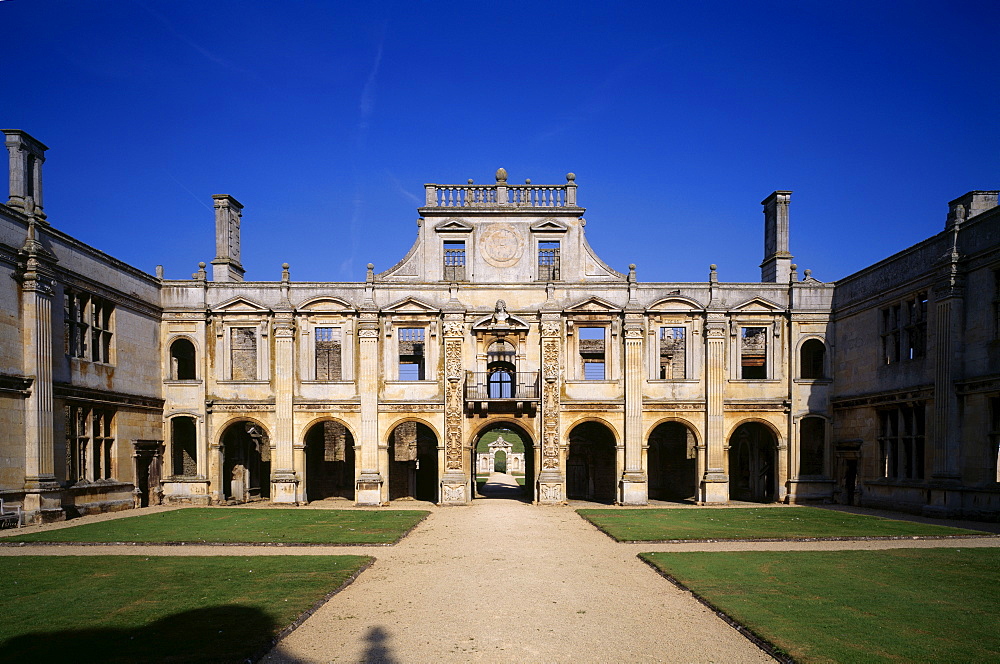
x=183 y=447
x=753 y=463
x=413 y=462
x=591 y=472
x=812 y=358
x=246 y=462
x=329 y=461
x=672 y=462
x=500 y=370
x=812 y=445
x=504 y=462
x=182 y=360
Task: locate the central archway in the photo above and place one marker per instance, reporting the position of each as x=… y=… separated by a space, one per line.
x=753 y=463
x=591 y=472
x=246 y=462
x=329 y=461
x=505 y=448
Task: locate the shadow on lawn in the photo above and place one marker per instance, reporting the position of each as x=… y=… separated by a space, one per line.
x=212 y=634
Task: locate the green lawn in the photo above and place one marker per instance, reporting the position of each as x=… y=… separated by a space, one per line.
x=902 y=605
x=652 y=525
x=121 y=609
x=209 y=525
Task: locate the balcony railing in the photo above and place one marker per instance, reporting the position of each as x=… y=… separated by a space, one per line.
x=511 y=386
x=502 y=194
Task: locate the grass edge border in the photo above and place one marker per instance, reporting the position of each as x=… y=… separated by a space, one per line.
x=754 y=638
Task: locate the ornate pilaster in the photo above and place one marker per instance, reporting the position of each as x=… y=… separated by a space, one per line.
x=633 y=484
x=551 y=482
x=948 y=310
x=41 y=503
x=283 y=479
x=715 y=483
x=455 y=482
x=369 y=489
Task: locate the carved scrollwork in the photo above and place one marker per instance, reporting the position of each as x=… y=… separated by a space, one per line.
x=550 y=328
x=367 y=334
x=454 y=329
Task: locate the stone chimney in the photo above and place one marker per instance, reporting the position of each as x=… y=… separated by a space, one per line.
x=26 y=157
x=226 y=266
x=973 y=203
x=777 y=261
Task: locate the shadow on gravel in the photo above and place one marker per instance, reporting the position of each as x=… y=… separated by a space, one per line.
x=501 y=489
x=377 y=651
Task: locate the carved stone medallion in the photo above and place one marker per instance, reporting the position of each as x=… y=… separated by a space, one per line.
x=502 y=245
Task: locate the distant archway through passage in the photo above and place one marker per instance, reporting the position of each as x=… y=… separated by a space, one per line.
x=591 y=472
x=413 y=462
x=329 y=461
x=753 y=462
x=672 y=462
x=504 y=448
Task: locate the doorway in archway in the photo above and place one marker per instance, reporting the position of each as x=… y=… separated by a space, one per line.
x=672 y=462
x=413 y=462
x=329 y=461
x=591 y=472
x=753 y=462
x=246 y=462
x=504 y=462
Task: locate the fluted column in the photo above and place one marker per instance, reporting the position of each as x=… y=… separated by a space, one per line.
x=633 y=485
x=715 y=483
x=284 y=481
x=456 y=480
x=369 y=491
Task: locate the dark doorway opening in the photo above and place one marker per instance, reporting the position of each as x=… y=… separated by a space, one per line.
x=591 y=472
x=672 y=461
x=329 y=462
x=246 y=465
x=753 y=463
x=413 y=462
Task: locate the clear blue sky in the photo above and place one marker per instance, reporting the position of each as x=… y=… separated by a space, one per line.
x=325 y=119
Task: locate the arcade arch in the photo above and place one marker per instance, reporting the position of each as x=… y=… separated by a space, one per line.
x=591 y=467
x=505 y=445
x=329 y=451
x=753 y=463
x=413 y=462
x=246 y=462
x=672 y=462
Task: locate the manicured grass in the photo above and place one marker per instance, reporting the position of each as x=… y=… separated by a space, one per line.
x=902 y=605
x=252 y=526
x=652 y=525
x=121 y=609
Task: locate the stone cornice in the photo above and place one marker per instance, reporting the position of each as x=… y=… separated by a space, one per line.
x=920 y=393
x=120 y=399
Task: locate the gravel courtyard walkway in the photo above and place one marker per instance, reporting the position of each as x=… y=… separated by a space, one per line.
x=502 y=580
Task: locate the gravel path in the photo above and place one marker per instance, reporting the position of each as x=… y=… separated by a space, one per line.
x=502 y=580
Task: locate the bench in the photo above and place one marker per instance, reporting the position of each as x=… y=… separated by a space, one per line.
x=10 y=517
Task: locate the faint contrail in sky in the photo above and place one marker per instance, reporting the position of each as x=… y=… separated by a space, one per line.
x=193 y=195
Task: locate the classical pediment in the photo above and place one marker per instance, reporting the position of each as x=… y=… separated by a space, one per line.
x=239 y=305
x=675 y=303
x=758 y=304
x=325 y=303
x=453 y=226
x=592 y=305
x=410 y=305
x=549 y=226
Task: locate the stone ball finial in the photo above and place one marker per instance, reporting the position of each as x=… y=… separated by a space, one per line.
x=285 y=266
x=501 y=174
x=713 y=267
x=527 y=180
x=469 y=180
x=808 y=273
x=631 y=266
x=570 y=177
x=371 y=266
x=202 y=265
x=794 y=267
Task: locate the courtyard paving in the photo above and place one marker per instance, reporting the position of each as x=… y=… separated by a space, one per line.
x=503 y=580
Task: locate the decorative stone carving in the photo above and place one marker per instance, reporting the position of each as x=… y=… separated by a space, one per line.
x=453 y=402
x=367 y=334
x=550 y=403
x=454 y=329
x=550 y=328
x=453 y=494
x=502 y=245
x=551 y=493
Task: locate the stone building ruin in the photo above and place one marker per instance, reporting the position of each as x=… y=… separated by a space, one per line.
x=121 y=388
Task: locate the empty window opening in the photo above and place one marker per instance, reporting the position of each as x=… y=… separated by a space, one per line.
x=548 y=261
x=753 y=353
x=901 y=442
x=454 y=260
x=328 y=355
x=812 y=357
x=812 y=445
x=592 y=356
x=411 y=353
x=672 y=353
x=90 y=444
x=500 y=369
x=243 y=349
x=916 y=327
x=184 y=439
x=88 y=322
x=182 y=360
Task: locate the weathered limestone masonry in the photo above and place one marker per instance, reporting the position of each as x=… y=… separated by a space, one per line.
x=882 y=389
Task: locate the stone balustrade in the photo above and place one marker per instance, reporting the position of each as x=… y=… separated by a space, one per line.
x=502 y=194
